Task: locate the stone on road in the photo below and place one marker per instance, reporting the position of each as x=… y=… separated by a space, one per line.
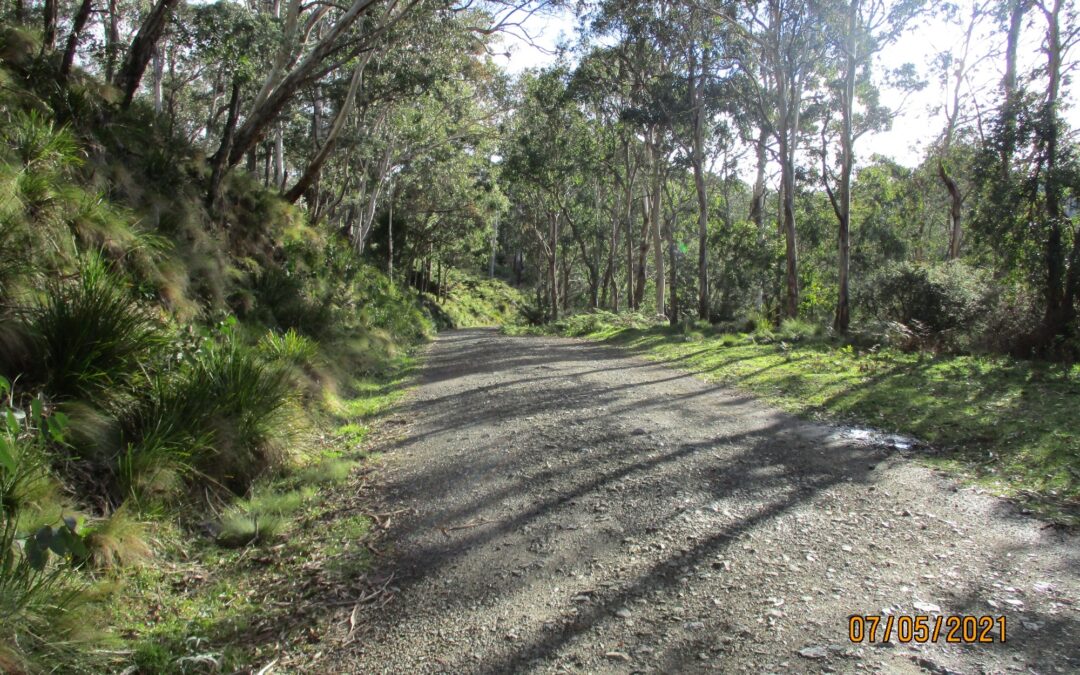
x=572 y=508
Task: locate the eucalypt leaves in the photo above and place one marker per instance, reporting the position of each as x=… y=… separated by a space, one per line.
x=18 y=432
x=62 y=540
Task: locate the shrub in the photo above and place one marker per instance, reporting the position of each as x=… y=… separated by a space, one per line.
x=794 y=330
x=90 y=336
x=39 y=601
x=117 y=541
x=261 y=518
x=289 y=304
x=240 y=400
x=289 y=347
x=939 y=301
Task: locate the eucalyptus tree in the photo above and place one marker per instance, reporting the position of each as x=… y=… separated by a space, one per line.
x=541 y=165
x=647 y=43
x=954 y=68
x=779 y=45
x=1028 y=167
x=855 y=30
x=600 y=84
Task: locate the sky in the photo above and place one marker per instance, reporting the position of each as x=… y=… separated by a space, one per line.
x=914 y=128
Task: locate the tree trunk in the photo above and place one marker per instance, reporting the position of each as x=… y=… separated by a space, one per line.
x=673 y=315
x=390 y=239
x=1059 y=314
x=48 y=31
x=757 y=207
x=612 y=257
x=279 y=158
x=142 y=49
x=315 y=165
x=956 y=202
x=787 y=216
x=628 y=197
x=78 y=24
x=310 y=68
x=112 y=40
x=697 y=87
x=218 y=161
x=494 y=246
x=842 y=202
x=157 y=75
x=553 y=265
x=1010 y=111
x=658 y=241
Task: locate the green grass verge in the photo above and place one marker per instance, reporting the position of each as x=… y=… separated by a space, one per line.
x=1007 y=424
x=223 y=604
x=470 y=301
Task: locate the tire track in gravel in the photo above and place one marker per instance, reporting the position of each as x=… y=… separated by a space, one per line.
x=571 y=508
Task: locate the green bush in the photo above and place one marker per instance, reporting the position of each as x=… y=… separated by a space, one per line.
x=90 y=337
x=287 y=301
x=40 y=602
x=262 y=517
x=938 y=302
x=289 y=347
x=224 y=414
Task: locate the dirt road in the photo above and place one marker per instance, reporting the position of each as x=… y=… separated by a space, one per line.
x=573 y=508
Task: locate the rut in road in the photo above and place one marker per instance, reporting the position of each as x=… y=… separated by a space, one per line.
x=574 y=508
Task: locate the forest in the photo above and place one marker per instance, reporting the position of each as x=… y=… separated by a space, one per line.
x=228 y=230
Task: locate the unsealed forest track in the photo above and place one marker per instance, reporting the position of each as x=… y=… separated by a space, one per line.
x=573 y=508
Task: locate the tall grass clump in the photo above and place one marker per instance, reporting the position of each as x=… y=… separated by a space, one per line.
x=41 y=604
x=224 y=414
x=89 y=336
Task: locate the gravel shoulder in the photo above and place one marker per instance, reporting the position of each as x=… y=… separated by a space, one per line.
x=561 y=506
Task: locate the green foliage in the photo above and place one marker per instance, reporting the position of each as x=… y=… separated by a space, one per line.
x=90 y=336
x=262 y=517
x=224 y=413
x=935 y=301
x=40 y=601
x=472 y=301
x=289 y=347
x=119 y=540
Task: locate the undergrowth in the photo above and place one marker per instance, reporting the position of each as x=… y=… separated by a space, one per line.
x=177 y=384
x=468 y=301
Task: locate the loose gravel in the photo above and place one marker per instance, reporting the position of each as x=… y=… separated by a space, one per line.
x=564 y=507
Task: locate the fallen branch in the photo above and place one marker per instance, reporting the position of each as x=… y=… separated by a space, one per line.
x=476 y=523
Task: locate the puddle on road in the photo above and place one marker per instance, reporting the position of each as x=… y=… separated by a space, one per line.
x=873 y=437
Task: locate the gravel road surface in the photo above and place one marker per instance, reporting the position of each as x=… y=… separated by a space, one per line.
x=566 y=507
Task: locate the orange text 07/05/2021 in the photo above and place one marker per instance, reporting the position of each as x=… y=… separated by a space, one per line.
x=904 y=628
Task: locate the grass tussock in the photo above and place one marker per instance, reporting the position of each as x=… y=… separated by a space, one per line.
x=172 y=365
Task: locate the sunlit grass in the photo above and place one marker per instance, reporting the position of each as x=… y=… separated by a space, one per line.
x=1009 y=424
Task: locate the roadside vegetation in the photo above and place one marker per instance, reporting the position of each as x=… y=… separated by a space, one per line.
x=469 y=301
x=191 y=367
x=1005 y=423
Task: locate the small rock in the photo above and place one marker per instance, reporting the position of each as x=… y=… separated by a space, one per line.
x=638 y=432
x=623 y=613
x=927 y=607
x=813 y=652
x=618 y=656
